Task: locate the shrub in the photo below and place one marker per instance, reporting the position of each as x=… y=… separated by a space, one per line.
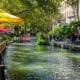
x=41 y=38
x=42 y=42
x=5 y=36
x=65 y=30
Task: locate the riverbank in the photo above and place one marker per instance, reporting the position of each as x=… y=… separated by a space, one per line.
x=28 y=61
x=66 y=45
x=2 y=65
x=3 y=45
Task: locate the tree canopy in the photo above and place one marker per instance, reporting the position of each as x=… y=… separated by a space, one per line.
x=75 y=6
x=36 y=13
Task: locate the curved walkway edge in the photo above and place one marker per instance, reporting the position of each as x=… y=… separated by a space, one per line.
x=65 y=45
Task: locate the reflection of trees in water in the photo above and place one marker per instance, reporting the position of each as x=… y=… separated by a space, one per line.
x=20 y=74
x=76 y=65
x=46 y=75
x=39 y=63
x=32 y=77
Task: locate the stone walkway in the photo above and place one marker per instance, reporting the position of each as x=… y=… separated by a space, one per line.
x=66 y=45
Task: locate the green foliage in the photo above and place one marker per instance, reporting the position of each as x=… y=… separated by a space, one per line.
x=5 y=36
x=41 y=39
x=66 y=29
x=37 y=12
x=72 y=2
x=75 y=24
x=42 y=42
x=12 y=35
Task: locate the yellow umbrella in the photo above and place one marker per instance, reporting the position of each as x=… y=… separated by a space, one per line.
x=6 y=17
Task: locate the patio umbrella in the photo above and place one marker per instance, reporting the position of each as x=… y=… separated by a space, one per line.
x=4 y=30
x=6 y=17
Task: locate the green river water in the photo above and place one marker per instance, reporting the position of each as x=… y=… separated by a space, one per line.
x=27 y=61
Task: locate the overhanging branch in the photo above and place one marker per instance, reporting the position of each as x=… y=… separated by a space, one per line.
x=21 y=12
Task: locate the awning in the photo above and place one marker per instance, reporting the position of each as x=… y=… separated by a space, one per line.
x=4 y=30
x=6 y=17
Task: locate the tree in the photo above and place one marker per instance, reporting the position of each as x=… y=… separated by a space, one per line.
x=75 y=6
x=37 y=12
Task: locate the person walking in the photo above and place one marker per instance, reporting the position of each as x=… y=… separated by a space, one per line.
x=73 y=38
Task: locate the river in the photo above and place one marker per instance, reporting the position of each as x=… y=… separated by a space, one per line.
x=28 y=61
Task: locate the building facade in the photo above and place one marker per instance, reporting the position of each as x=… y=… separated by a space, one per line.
x=67 y=12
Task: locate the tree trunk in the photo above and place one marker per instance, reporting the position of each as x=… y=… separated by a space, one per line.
x=77 y=10
x=74 y=13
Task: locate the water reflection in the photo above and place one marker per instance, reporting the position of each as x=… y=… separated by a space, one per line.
x=26 y=61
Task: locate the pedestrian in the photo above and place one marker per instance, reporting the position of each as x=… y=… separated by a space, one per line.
x=73 y=38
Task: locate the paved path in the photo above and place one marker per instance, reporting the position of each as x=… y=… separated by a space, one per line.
x=64 y=44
